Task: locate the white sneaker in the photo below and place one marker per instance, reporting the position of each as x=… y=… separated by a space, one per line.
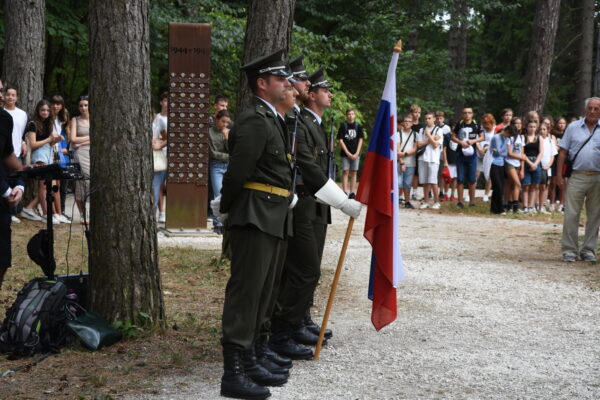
x=466 y=199
x=162 y=217
x=55 y=220
x=15 y=220
x=436 y=206
x=551 y=208
x=63 y=219
x=29 y=214
x=424 y=206
x=543 y=210
x=486 y=198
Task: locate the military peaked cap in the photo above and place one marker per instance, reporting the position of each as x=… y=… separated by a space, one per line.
x=297 y=68
x=318 y=80
x=272 y=64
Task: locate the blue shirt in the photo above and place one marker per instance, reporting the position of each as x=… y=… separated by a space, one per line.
x=499 y=150
x=574 y=138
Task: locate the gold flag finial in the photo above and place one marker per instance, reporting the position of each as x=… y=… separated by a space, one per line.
x=398 y=47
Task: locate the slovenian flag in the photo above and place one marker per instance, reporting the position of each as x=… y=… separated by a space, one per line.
x=378 y=189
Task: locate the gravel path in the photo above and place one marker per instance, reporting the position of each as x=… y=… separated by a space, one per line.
x=486 y=312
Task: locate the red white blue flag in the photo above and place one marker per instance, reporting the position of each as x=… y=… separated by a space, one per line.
x=378 y=189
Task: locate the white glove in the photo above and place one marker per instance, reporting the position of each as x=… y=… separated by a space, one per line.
x=214 y=206
x=294 y=202
x=332 y=195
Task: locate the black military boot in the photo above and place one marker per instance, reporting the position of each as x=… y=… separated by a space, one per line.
x=262 y=347
x=314 y=328
x=260 y=374
x=282 y=343
x=302 y=335
x=263 y=359
x=235 y=383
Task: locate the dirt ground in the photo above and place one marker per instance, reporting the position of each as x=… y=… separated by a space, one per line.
x=487 y=311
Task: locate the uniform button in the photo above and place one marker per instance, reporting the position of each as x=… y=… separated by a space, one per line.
x=268 y=196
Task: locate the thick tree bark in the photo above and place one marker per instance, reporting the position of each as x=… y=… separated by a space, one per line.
x=25 y=30
x=539 y=62
x=596 y=90
x=124 y=262
x=457 y=48
x=269 y=28
x=586 y=53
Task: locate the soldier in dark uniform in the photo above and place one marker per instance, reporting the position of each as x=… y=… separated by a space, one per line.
x=255 y=199
x=316 y=193
x=11 y=192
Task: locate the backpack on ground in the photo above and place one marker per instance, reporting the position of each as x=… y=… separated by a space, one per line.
x=36 y=321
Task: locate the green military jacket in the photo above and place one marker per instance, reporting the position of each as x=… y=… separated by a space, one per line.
x=258 y=152
x=311 y=158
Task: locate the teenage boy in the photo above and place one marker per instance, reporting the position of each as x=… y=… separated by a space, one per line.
x=351 y=138
x=440 y=117
x=429 y=163
x=415 y=113
x=466 y=133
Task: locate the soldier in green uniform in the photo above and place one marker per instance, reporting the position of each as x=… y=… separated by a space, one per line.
x=254 y=201
x=316 y=193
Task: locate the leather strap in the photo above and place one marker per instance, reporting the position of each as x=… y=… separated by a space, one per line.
x=263 y=187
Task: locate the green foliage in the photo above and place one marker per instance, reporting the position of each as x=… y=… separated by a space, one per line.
x=128 y=329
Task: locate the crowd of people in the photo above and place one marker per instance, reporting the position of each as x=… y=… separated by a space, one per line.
x=515 y=158
x=49 y=136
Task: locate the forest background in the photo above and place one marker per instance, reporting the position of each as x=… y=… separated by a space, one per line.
x=460 y=52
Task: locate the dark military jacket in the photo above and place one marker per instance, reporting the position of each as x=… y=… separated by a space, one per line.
x=311 y=156
x=258 y=152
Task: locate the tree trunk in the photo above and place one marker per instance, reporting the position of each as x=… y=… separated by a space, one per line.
x=586 y=53
x=457 y=47
x=539 y=62
x=25 y=30
x=125 y=280
x=597 y=68
x=269 y=28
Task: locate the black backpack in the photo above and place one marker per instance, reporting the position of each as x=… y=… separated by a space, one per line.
x=36 y=321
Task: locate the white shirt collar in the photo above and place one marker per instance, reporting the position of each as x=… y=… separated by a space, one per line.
x=315 y=114
x=297 y=107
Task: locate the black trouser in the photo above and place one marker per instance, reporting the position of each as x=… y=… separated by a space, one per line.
x=497 y=177
x=302 y=268
x=5 y=244
x=255 y=256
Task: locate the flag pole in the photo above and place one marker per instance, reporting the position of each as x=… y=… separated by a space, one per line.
x=334 y=284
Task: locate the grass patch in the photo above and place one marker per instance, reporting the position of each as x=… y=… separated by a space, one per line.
x=193 y=288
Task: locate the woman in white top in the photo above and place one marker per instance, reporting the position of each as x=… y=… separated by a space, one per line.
x=514 y=164
x=488 y=123
x=550 y=151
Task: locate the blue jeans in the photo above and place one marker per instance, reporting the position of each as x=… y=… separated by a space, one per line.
x=217 y=170
x=157 y=180
x=466 y=169
x=405 y=179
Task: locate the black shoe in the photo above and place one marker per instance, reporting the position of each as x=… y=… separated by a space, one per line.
x=352 y=195
x=260 y=374
x=235 y=383
x=303 y=336
x=408 y=205
x=262 y=348
x=263 y=359
x=283 y=344
x=460 y=205
x=314 y=328
x=218 y=230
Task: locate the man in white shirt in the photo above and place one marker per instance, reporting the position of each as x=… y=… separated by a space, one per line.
x=431 y=137
x=19 y=120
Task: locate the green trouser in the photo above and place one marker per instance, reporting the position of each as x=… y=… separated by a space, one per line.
x=266 y=325
x=255 y=256
x=302 y=268
x=581 y=189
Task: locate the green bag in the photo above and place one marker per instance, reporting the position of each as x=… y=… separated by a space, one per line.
x=93 y=331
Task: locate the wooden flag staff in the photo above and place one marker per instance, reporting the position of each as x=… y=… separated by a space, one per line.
x=336 y=279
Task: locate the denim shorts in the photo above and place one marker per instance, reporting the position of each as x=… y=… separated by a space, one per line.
x=348 y=164
x=405 y=179
x=42 y=154
x=532 y=177
x=466 y=169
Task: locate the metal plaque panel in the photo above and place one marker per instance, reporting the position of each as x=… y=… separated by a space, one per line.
x=189 y=110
